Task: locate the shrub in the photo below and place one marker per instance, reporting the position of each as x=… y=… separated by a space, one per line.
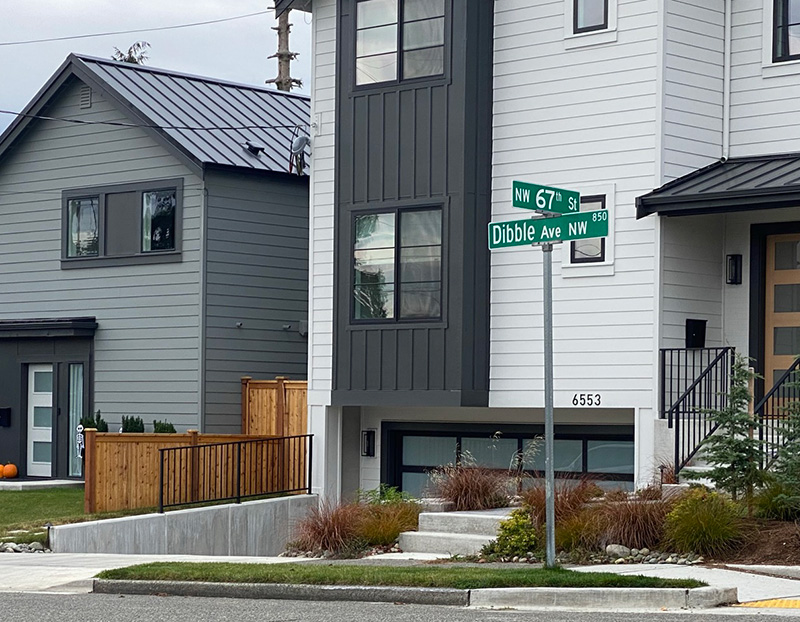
x=132 y=424
x=163 y=427
x=516 y=536
x=331 y=527
x=634 y=522
x=570 y=497
x=704 y=522
x=381 y=524
x=470 y=487
x=778 y=501
x=95 y=421
x=384 y=494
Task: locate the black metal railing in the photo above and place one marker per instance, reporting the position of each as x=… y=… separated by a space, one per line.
x=234 y=471
x=693 y=383
x=772 y=413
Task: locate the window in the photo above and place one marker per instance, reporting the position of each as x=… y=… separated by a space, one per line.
x=137 y=221
x=397 y=271
x=589 y=15
x=592 y=250
x=414 y=27
x=786 y=38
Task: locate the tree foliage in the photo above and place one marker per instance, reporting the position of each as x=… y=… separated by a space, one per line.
x=136 y=54
x=734 y=450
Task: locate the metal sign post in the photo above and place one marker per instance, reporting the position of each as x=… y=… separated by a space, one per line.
x=565 y=221
x=549 y=475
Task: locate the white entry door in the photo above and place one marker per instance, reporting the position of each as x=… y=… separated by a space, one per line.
x=40 y=420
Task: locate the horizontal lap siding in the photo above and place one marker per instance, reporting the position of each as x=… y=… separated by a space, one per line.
x=693 y=74
x=763 y=105
x=146 y=345
x=256 y=274
x=692 y=264
x=575 y=118
x=323 y=104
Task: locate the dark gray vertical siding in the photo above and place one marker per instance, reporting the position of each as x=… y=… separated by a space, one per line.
x=256 y=274
x=417 y=144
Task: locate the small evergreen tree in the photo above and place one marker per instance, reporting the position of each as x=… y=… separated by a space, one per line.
x=94 y=421
x=786 y=468
x=163 y=427
x=132 y=424
x=733 y=450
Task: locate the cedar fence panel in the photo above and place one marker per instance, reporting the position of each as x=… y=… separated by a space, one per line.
x=274 y=407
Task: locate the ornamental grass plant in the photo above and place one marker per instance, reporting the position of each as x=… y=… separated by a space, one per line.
x=471 y=487
x=704 y=522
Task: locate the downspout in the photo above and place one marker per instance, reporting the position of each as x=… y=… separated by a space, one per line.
x=726 y=84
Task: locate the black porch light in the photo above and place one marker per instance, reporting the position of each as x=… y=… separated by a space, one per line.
x=368 y=443
x=733 y=273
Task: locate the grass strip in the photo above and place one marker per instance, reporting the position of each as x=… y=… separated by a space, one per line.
x=412 y=576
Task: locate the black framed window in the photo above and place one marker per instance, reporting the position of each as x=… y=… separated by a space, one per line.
x=125 y=221
x=397 y=265
x=588 y=15
x=786 y=37
x=399 y=39
x=591 y=250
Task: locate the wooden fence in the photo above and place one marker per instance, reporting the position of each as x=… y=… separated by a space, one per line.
x=274 y=407
x=121 y=470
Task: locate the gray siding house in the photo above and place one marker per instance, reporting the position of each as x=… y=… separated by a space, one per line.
x=153 y=249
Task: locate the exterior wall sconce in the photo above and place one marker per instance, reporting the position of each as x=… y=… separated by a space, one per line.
x=368 y=443
x=733 y=274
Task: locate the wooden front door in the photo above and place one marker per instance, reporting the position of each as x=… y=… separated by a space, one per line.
x=782 y=306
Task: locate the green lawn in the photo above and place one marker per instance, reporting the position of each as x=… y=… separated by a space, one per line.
x=25 y=512
x=416 y=576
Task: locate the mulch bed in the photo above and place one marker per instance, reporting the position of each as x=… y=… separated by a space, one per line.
x=769 y=543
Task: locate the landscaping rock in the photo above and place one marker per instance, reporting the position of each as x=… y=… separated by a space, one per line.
x=617 y=550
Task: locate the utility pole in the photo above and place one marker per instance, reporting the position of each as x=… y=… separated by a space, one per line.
x=284 y=81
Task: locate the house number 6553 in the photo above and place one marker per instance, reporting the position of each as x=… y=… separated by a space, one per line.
x=586 y=399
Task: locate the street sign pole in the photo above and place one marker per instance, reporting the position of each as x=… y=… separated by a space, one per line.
x=549 y=481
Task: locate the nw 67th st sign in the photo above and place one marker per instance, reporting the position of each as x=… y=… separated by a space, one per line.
x=548 y=230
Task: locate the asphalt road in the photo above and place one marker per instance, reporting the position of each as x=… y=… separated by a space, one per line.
x=31 y=607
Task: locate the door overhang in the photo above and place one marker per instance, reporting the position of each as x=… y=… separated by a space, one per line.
x=733 y=185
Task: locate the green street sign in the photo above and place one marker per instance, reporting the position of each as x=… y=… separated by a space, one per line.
x=543 y=230
x=545 y=198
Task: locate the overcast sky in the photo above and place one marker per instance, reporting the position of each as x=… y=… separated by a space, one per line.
x=235 y=50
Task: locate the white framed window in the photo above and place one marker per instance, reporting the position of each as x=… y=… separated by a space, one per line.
x=589 y=22
x=593 y=256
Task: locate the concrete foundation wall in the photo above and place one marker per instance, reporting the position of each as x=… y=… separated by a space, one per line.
x=257 y=528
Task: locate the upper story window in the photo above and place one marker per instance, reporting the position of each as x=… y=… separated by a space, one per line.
x=786 y=38
x=134 y=222
x=591 y=250
x=397 y=265
x=399 y=39
x=589 y=15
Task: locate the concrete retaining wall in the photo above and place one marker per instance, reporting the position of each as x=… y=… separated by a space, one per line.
x=258 y=528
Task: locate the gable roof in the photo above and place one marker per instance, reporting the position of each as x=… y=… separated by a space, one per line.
x=736 y=184
x=164 y=101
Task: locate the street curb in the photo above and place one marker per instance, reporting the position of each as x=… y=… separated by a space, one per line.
x=383 y=594
x=529 y=597
x=603 y=598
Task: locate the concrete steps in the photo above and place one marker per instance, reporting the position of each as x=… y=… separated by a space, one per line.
x=453 y=533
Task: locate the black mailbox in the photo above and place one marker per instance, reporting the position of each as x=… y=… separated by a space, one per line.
x=5 y=417
x=696 y=333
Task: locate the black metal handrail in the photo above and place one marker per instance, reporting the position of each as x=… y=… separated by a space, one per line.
x=693 y=383
x=235 y=470
x=771 y=413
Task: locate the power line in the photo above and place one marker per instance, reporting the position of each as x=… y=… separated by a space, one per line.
x=127 y=32
x=156 y=127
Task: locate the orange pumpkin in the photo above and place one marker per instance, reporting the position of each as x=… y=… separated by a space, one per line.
x=10 y=471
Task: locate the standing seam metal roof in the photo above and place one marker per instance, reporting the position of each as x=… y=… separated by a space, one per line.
x=737 y=184
x=166 y=98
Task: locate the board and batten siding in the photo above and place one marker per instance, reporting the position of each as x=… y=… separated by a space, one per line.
x=693 y=75
x=257 y=276
x=579 y=118
x=147 y=341
x=764 y=95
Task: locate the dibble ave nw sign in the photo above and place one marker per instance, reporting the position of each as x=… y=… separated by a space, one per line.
x=544 y=230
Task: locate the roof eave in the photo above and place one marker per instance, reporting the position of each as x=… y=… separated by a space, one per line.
x=281 y=6
x=716 y=203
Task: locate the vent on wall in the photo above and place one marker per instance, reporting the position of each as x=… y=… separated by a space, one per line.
x=86 y=97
